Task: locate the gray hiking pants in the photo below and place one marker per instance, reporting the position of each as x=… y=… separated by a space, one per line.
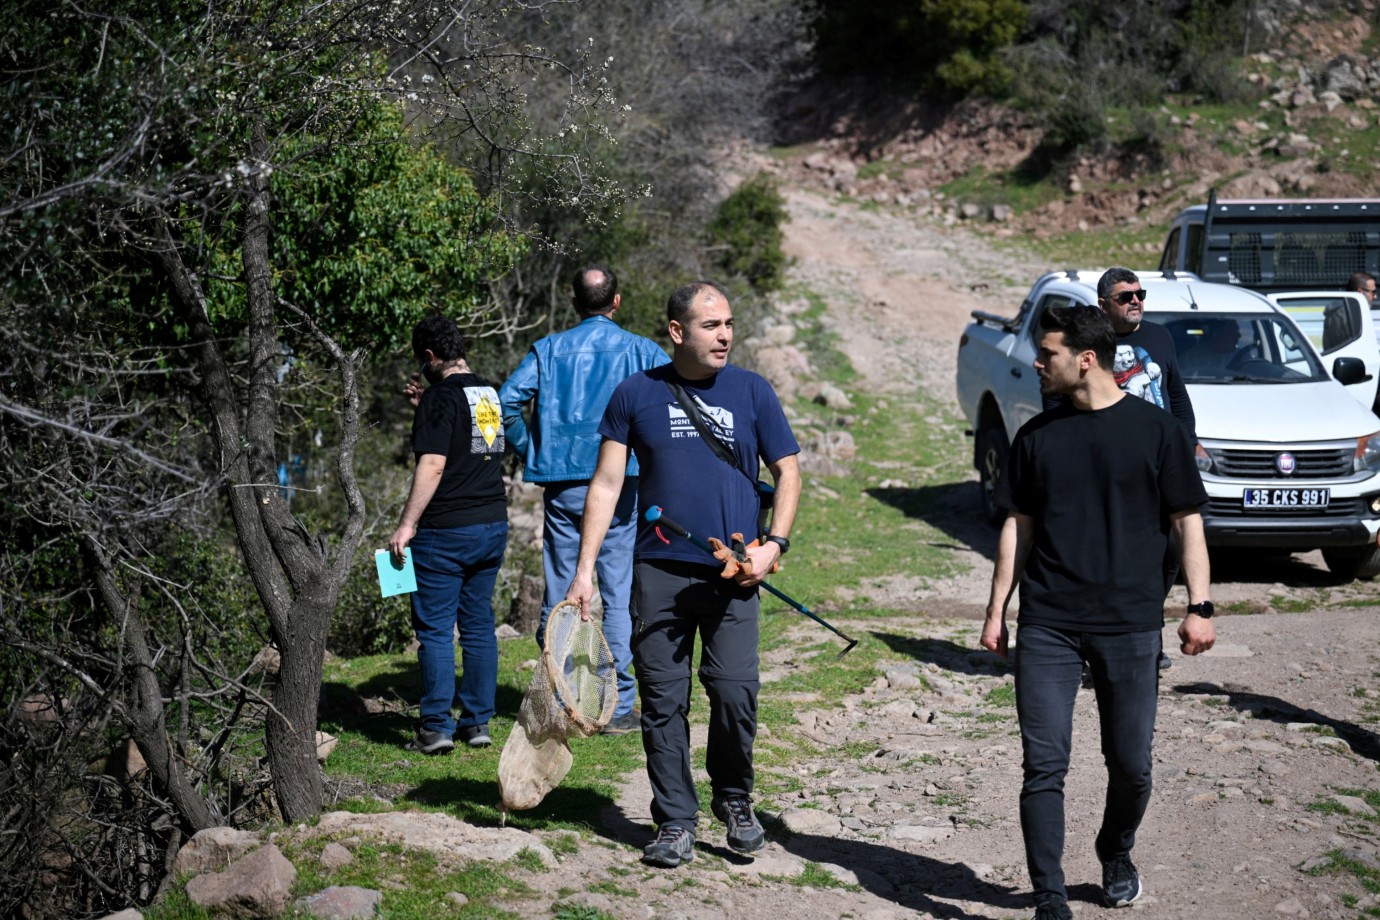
x=671 y=602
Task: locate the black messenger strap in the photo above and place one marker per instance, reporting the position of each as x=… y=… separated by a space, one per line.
x=692 y=412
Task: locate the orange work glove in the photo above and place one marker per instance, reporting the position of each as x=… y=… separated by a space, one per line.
x=726 y=555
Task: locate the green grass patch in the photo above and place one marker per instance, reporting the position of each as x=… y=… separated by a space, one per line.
x=414 y=882
x=856 y=749
x=813 y=876
x=580 y=912
x=1005 y=695
x=885 y=511
x=815 y=339
x=1017 y=188
x=1284 y=604
x=1366 y=875
x=610 y=887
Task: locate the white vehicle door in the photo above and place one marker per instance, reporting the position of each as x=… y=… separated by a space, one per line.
x=1339 y=324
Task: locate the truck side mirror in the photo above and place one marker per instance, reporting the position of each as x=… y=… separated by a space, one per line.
x=1347 y=371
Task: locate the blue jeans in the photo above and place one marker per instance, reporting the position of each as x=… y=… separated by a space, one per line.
x=564 y=506
x=456 y=571
x=1125 y=672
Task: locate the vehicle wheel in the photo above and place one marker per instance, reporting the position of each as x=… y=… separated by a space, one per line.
x=1361 y=563
x=991 y=462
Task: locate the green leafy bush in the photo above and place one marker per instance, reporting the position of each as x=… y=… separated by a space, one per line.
x=747 y=234
x=948 y=46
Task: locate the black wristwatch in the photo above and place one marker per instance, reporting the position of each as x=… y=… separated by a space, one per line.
x=779 y=541
x=1204 y=610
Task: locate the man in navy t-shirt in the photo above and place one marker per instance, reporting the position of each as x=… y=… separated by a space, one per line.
x=677 y=589
x=1096 y=487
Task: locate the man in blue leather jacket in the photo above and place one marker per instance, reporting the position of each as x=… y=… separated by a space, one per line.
x=568 y=377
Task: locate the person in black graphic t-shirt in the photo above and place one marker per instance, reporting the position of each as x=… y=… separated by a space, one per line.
x=456 y=523
x=1096 y=487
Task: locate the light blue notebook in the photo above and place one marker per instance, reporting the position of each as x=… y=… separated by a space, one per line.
x=394 y=579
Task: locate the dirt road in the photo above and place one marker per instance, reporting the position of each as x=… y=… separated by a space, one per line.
x=909 y=793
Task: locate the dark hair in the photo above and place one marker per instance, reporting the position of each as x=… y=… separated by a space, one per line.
x=1084 y=329
x=441 y=335
x=682 y=298
x=594 y=294
x=1111 y=278
x=1357 y=282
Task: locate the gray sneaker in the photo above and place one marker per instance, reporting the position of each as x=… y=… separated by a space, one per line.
x=476 y=736
x=630 y=721
x=429 y=742
x=745 y=833
x=1120 y=881
x=673 y=845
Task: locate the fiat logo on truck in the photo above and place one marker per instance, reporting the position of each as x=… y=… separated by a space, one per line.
x=1285 y=464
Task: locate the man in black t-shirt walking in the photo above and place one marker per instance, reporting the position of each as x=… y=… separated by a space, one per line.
x=1095 y=488
x=456 y=522
x=1146 y=364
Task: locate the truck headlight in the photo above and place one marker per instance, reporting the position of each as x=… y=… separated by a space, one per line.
x=1203 y=458
x=1367 y=453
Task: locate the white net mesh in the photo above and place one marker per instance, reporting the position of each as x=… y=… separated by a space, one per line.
x=572 y=694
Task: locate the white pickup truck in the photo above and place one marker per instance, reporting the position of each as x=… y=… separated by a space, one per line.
x=1290 y=459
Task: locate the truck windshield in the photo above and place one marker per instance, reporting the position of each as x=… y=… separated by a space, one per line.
x=1227 y=348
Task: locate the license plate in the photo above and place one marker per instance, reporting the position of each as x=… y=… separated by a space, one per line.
x=1285 y=498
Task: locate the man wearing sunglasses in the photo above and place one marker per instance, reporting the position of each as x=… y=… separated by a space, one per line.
x=1145 y=346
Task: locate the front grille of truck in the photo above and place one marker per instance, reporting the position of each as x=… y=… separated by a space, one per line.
x=1304 y=258
x=1329 y=463
x=1339 y=508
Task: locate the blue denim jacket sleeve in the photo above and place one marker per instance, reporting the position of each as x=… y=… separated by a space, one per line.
x=517 y=391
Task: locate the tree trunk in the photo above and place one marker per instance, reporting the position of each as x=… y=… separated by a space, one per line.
x=293 y=573
x=147 y=720
x=291 y=727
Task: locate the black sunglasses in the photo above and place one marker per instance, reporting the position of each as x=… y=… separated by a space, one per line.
x=1126 y=297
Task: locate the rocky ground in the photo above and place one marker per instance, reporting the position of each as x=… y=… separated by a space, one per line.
x=912 y=799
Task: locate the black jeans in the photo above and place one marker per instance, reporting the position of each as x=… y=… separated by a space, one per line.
x=671 y=602
x=1125 y=671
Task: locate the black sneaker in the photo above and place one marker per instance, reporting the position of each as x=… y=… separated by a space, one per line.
x=427 y=742
x=1165 y=663
x=476 y=736
x=745 y=834
x=1053 y=910
x=1120 y=881
x=673 y=845
x=622 y=725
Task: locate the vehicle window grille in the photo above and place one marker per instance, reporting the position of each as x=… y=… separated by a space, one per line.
x=1243 y=259
x=1260 y=464
x=1304 y=258
x=1310 y=258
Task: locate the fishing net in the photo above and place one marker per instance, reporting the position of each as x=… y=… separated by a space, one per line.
x=572 y=694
